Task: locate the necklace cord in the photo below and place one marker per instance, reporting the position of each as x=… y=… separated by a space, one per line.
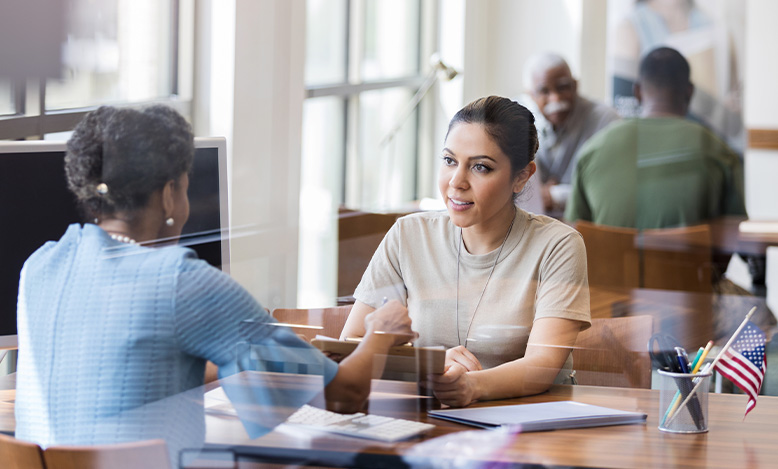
x=459 y=252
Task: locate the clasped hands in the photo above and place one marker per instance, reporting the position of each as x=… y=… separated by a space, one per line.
x=456 y=387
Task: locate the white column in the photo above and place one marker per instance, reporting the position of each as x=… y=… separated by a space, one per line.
x=249 y=88
x=760 y=99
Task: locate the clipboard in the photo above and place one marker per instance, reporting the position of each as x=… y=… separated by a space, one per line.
x=401 y=358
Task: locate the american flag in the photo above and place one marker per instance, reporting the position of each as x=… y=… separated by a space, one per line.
x=744 y=363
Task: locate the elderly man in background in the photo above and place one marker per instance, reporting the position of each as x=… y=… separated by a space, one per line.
x=565 y=121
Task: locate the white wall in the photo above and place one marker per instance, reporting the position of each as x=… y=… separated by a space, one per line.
x=501 y=34
x=759 y=101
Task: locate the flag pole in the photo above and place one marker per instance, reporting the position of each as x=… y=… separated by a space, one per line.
x=713 y=365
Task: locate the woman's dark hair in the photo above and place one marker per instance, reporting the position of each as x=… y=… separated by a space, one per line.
x=117 y=158
x=508 y=123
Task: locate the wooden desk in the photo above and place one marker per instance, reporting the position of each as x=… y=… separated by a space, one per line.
x=730 y=442
x=727 y=237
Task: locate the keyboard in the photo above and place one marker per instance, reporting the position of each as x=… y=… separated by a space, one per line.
x=374 y=427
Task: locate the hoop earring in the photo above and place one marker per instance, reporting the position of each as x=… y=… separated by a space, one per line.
x=170 y=221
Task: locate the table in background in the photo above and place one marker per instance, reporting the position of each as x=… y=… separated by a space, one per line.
x=693 y=318
x=728 y=238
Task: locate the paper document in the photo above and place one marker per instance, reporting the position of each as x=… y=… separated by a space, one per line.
x=539 y=417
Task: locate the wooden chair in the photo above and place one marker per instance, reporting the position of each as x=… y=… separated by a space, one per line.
x=149 y=453
x=666 y=259
x=359 y=234
x=612 y=258
x=614 y=352
x=18 y=454
x=677 y=258
x=308 y=323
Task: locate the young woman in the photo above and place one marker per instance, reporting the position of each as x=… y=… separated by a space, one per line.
x=504 y=290
x=110 y=330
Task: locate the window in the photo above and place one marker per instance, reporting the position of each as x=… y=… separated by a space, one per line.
x=365 y=54
x=117 y=52
x=7 y=105
x=360 y=140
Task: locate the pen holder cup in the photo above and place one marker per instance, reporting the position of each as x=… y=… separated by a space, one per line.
x=679 y=413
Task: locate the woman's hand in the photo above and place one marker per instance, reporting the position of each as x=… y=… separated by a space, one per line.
x=391 y=319
x=455 y=387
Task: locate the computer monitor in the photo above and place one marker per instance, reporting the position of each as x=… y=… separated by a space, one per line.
x=36 y=206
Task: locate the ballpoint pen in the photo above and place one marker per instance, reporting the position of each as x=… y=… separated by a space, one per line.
x=683 y=360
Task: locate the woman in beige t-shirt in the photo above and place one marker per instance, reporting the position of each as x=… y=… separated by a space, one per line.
x=504 y=290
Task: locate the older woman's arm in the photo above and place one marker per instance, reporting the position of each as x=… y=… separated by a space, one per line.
x=382 y=328
x=355 y=324
x=549 y=345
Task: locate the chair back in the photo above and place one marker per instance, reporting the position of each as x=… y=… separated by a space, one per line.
x=614 y=352
x=359 y=234
x=308 y=323
x=18 y=454
x=677 y=258
x=665 y=259
x=611 y=255
x=132 y=455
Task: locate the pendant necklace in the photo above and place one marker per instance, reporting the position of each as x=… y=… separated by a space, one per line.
x=459 y=252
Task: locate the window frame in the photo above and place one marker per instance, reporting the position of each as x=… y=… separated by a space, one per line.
x=32 y=121
x=353 y=86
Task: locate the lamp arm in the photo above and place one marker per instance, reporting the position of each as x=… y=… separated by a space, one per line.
x=429 y=80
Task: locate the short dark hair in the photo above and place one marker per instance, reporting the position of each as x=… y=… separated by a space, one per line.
x=116 y=158
x=511 y=126
x=665 y=68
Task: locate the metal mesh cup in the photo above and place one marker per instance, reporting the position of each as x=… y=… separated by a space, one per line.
x=674 y=388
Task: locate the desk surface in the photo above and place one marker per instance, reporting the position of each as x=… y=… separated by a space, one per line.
x=730 y=442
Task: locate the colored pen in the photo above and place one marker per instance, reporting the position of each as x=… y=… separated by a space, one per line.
x=705 y=351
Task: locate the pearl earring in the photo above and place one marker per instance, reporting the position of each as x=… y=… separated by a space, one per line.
x=170 y=221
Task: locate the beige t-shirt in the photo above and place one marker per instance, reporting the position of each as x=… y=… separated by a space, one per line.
x=541 y=273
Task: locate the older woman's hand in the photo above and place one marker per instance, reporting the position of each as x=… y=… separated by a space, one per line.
x=455 y=387
x=391 y=319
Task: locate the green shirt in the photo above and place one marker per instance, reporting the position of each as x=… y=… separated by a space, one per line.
x=655 y=173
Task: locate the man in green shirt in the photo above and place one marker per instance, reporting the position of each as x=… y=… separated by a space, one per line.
x=659 y=170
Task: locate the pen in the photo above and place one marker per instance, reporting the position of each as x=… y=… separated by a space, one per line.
x=384 y=301
x=683 y=359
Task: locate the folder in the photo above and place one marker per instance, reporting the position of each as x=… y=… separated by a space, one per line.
x=419 y=361
x=540 y=417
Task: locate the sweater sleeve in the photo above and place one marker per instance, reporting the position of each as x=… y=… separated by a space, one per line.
x=218 y=320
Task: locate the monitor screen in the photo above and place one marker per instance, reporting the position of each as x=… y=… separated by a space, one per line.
x=37 y=207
